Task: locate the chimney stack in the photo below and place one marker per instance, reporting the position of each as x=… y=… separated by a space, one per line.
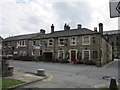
x=101 y=28
x=66 y=27
x=79 y=26
x=42 y=31
x=52 y=28
x=95 y=29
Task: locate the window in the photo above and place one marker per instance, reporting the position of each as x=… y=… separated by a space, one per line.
x=6 y=44
x=86 y=40
x=61 y=54
x=33 y=53
x=22 y=53
x=86 y=54
x=23 y=43
x=73 y=41
x=34 y=42
x=20 y=43
x=50 y=42
x=61 y=42
x=117 y=44
x=117 y=37
x=112 y=43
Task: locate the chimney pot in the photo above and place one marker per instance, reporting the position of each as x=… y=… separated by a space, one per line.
x=66 y=27
x=95 y=29
x=79 y=26
x=42 y=31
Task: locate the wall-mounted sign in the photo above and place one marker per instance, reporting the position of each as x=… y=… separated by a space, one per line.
x=36 y=47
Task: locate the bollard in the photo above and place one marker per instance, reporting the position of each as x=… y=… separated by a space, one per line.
x=41 y=72
x=113 y=84
x=10 y=71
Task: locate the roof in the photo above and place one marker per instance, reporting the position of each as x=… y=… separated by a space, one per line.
x=21 y=37
x=1 y=38
x=61 y=33
x=72 y=32
x=111 y=32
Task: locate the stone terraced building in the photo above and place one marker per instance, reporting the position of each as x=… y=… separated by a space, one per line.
x=69 y=45
x=114 y=38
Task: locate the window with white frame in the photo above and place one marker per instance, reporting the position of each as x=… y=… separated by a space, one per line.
x=50 y=42
x=86 y=54
x=86 y=40
x=23 y=43
x=61 y=54
x=73 y=41
x=61 y=42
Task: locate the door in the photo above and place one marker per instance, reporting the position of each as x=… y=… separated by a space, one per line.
x=73 y=55
x=48 y=56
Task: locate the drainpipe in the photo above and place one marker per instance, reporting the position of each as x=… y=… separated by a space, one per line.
x=100 y=51
x=101 y=32
x=54 y=49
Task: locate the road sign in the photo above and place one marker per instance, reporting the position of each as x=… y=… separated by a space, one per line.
x=118 y=7
x=114 y=8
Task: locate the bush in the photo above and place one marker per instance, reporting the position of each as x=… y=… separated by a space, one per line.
x=80 y=62
x=39 y=58
x=27 y=58
x=90 y=62
x=61 y=60
x=24 y=58
x=7 y=57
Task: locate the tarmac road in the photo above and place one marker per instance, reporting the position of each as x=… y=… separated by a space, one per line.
x=63 y=75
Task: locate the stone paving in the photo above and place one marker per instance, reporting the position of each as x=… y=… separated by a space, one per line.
x=25 y=76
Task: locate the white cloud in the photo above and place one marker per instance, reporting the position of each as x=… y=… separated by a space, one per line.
x=31 y=15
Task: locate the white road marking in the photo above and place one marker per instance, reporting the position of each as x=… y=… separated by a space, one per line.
x=48 y=79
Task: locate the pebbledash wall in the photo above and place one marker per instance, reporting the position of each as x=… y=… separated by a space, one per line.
x=80 y=44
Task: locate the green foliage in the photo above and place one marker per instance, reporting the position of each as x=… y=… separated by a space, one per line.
x=0 y=83
x=8 y=82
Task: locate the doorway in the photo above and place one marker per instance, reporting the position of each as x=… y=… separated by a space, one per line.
x=73 y=55
x=47 y=56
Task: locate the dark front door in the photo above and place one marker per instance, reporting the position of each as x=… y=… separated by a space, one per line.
x=48 y=56
x=73 y=55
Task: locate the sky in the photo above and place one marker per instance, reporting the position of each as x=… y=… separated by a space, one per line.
x=19 y=17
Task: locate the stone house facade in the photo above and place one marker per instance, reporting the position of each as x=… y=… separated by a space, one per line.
x=72 y=45
x=114 y=38
x=19 y=45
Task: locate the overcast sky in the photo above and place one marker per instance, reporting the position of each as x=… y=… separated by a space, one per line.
x=29 y=16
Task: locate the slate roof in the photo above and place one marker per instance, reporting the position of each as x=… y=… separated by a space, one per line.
x=1 y=38
x=111 y=32
x=61 y=33
x=72 y=32
x=21 y=37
